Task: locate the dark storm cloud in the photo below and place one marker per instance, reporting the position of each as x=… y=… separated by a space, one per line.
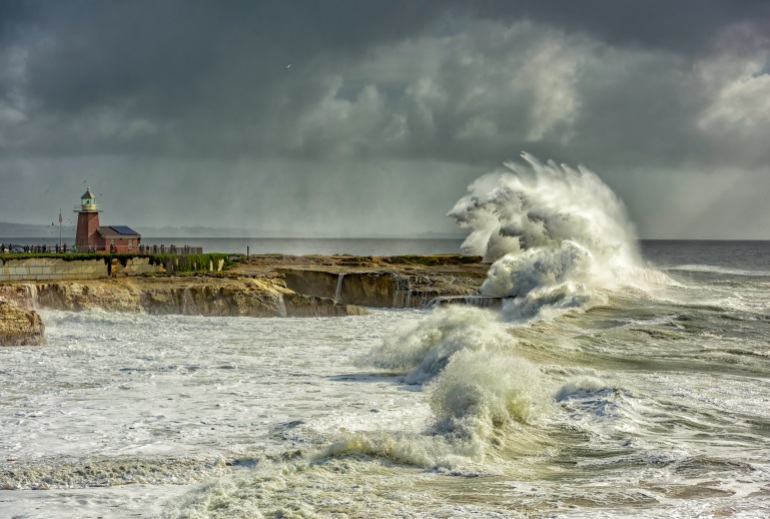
x=99 y=52
x=205 y=78
x=208 y=78
x=380 y=90
x=686 y=26
x=193 y=76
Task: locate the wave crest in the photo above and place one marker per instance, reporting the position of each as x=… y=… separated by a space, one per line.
x=558 y=236
x=424 y=349
x=481 y=391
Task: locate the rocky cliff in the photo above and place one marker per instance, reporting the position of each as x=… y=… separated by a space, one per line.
x=189 y=296
x=19 y=326
x=380 y=289
x=262 y=286
x=23 y=295
x=215 y=296
x=269 y=285
x=385 y=282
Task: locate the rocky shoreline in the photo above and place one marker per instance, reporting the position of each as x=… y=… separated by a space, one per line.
x=259 y=286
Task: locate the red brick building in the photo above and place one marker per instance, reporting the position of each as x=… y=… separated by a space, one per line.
x=91 y=237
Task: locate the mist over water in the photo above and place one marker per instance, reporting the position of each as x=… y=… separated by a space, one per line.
x=604 y=386
x=558 y=237
x=501 y=382
x=510 y=397
x=539 y=205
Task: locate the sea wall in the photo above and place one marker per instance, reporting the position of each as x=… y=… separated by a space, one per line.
x=72 y=269
x=44 y=269
x=60 y=269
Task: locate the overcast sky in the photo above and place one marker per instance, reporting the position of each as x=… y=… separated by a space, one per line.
x=358 y=118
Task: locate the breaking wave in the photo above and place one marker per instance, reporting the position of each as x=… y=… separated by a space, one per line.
x=423 y=349
x=484 y=397
x=542 y=205
x=559 y=238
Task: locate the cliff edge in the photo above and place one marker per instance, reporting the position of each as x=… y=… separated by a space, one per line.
x=189 y=295
x=260 y=286
x=372 y=281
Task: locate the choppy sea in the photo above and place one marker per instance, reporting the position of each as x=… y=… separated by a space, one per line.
x=612 y=379
x=645 y=403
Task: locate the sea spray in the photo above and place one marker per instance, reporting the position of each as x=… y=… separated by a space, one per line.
x=188 y=303
x=559 y=239
x=338 y=288
x=423 y=349
x=481 y=415
x=558 y=236
x=542 y=205
x=480 y=390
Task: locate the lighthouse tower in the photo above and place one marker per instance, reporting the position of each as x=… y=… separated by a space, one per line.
x=88 y=222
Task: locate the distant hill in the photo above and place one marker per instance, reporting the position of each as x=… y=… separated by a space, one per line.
x=22 y=230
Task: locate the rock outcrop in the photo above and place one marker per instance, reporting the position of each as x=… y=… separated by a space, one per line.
x=271 y=286
x=475 y=300
x=190 y=296
x=380 y=289
x=19 y=326
x=23 y=295
x=380 y=281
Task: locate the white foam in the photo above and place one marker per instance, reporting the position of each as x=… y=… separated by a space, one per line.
x=559 y=236
x=422 y=350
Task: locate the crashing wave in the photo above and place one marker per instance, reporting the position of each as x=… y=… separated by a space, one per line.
x=559 y=237
x=559 y=240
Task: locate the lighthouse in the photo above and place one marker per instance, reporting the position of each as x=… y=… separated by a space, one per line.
x=92 y=237
x=88 y=222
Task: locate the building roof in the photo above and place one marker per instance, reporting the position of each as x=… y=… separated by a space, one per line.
x=121 y=231
x=87 y=194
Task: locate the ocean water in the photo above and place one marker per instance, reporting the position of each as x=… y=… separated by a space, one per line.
x=617 y=380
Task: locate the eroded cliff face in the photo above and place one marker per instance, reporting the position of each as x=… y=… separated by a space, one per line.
x=271 y=286
x=23 y=295
x=85 y=295
x=19 y=326
x=381 y=289
x=189 y=296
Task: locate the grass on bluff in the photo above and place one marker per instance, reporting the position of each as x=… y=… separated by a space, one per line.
x=192 y=262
